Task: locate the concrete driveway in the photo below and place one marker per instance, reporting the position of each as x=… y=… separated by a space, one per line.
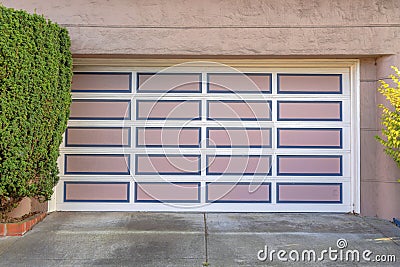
x=179 y=239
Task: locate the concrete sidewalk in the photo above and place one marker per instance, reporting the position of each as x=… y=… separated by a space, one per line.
x=178 y=239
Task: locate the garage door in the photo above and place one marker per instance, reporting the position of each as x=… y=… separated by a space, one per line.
x=207 y=137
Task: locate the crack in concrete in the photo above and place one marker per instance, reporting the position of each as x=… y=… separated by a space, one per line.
x=396 y=242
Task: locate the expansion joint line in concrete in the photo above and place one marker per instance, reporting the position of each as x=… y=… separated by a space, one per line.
x=205 y=239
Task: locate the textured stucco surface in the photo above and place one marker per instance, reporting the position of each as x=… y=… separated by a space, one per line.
x=28 y=205
x=380 y=193
x=178 y=27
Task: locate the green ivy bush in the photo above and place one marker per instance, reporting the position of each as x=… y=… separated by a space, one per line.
x=35 y=81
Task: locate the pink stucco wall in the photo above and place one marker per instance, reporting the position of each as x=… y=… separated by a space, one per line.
x=380 y=193
x=369 y=30
x=225 y=27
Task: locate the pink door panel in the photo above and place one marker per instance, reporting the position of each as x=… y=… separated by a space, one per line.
x=310 y=110
x=239 y=192
x=309 y=138
x=98 y=82
x=309 y=192
x=310 y=83
x=238 y=137
x=96 y=191
x=239 y=83
x=239 y=110
x=168 y=137
x=238 y=165
x=169 y=82
x=167 y=192
x=96 y=136
x=167 y=164
x=100 y=109
x=96 y=164
x=168 y=110
x=310 y=165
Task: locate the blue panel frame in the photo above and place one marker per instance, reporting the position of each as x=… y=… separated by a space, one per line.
x=168 y=173
x=238 y=128
x=99 y=145
x=310 y=156
x=169 y=146
x=238 y=201
x=169 y=201
x=396 y=222
x=269 y=102
x=103 y=118
x=311 y=119
x=237 y=156
x=340 y=130
x=309 y=201
x=129 y=90
x=128 y=161
x=98 y=200
x=239 y=92
x=307 y=92
x=170 y=91
x=161 y=119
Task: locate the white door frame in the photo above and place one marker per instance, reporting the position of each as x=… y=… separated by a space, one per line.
x=275 y=65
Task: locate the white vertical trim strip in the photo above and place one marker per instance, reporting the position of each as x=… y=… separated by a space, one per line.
x=355 y=137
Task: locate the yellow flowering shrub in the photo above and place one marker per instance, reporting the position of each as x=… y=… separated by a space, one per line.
x=390 y=118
